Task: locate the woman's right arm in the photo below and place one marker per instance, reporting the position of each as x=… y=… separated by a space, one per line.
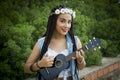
x=46 y=61
x=32 y=60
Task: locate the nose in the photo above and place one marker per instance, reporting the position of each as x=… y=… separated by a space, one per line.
x=67 y=25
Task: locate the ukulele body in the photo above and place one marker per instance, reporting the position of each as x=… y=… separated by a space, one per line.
x=52 y=72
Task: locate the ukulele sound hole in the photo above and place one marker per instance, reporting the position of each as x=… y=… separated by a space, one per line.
x=58 y=63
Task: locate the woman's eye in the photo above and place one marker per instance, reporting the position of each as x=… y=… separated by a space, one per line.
x=69 y=22
x=62 y=21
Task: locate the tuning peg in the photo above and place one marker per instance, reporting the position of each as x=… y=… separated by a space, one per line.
x=94 y=49
x=90 y=41
x=99 y=47
x=94 y=38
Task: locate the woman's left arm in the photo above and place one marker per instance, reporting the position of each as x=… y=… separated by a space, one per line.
x=80 y=57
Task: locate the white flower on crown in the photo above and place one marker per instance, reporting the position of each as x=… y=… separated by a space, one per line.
x=70 y=11
x=62 y=11
x=74 y=14
x=65 y=10
x=57 y=11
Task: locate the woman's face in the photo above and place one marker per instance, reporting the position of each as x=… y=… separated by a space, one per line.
x=63 y=24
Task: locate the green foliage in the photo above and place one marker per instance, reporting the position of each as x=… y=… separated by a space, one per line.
x=22 y=22
x=15 y=53
x=112 y=49
x=107 y=26
x=93 y=57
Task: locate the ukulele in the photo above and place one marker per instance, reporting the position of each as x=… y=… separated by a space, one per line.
x=61 y=62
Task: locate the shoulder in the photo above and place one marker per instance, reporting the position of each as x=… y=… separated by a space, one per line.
x=41 y=39
x=78 y=42
x=40 y=42
x=77 y=39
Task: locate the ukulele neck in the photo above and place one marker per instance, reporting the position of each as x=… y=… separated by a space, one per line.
x=71 y=55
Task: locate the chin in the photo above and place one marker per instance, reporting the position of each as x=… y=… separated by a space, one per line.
x=64 y=33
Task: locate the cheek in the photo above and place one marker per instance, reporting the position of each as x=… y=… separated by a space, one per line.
x=70 y=26
x=58 y=28
x=60 y=24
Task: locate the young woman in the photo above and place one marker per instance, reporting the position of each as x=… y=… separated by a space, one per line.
x=58 y=39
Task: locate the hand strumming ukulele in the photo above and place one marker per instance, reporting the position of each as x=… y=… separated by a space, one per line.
x=61 y=62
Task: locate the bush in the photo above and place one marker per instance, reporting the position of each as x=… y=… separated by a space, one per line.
x=93 y=57
x=112 y=49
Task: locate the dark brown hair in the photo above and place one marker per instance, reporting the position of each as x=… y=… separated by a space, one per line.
x=50 y=28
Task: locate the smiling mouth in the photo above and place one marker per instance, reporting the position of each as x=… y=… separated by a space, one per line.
x=64 y=30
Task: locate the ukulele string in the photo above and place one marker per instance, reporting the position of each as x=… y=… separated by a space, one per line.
x=47 y=70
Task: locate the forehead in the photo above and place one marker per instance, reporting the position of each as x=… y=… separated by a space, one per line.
x=65 y=16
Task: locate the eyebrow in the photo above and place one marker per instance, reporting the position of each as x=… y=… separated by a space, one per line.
x=64 y=19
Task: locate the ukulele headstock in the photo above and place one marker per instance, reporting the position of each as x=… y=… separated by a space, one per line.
x=95 y=42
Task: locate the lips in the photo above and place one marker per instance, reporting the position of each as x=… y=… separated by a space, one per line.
x=64 y=30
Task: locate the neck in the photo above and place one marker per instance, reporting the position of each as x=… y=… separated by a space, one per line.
x=57 y=36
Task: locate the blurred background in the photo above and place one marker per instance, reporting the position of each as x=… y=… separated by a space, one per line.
x=23 y=22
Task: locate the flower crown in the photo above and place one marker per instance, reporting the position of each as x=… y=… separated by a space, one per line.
x=65 y=10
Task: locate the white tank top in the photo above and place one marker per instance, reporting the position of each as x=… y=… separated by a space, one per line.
x=66 y=72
